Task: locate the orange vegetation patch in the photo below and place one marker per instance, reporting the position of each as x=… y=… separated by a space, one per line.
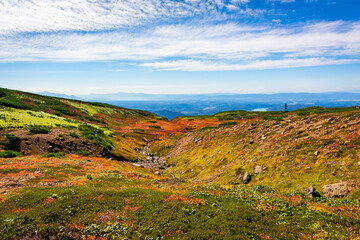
x=265 y=207
x=294 y=200
x=185 y=199
x=49 y=200
x=319 y=208
x=131 y=209
x=20 y=210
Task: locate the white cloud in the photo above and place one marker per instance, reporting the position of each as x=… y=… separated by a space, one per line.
x=146 y=33
x=235 y=46
x=191 y=65
x=91 y=15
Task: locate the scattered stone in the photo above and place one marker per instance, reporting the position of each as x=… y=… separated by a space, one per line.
x=238 y=178
x=157 y=173
x=251 y=141
x=343 y=163
x=311 y=192
x=258 y=169
x=246 y=178
x=316 y=153
x=341 y=189
x=346 y=142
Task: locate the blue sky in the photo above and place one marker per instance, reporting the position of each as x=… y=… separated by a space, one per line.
x=183 y=46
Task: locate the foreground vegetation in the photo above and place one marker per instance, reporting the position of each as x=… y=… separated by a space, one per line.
x=81 y=197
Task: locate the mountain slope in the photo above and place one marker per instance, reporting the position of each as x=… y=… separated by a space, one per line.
x=94 y=122
x=292 y=150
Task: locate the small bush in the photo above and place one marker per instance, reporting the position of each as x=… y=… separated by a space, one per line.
x=152 y=121
x=55 y=155
x=89 y=177
x=155 y=126
x=83 y=153
x=139 y=130
x=227 y=124
x=37 y=129
x=10 y=154
x=12 y=138
x=74 y=135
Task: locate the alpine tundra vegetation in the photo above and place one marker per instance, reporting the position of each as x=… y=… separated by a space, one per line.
x=79 y=170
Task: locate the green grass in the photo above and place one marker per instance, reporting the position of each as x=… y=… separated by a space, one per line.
x=139 y=213
x=17 y=118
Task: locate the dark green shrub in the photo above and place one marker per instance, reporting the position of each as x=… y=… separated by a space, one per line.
x=74 y=135
x=227 y=124
x=96 y=135
x=139 y=130
x=155 y=126
x=12 y=138
x=89 y=177
x=83 y=153
x=10 y=154
x=36 y=129
x=56 y=155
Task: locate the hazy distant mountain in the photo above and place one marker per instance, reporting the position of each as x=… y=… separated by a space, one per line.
x=287 y=97
x=168 y=114
x=59 y=95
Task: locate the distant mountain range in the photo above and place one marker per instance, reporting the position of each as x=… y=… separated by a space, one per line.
x=174 y=105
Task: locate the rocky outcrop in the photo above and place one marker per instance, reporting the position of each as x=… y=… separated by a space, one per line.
x=58 y=140
x=341 y=189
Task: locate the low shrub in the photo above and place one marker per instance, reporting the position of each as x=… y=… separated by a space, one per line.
x=74 y=135
x=155 y=126
x=37 y=129
x=55 y=155
x=83 y=153
x=9 y=154
x=227 y=124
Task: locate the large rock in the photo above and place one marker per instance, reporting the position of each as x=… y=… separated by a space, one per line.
x=311 y=192
x=258 y=169
x=246 y=178
x=341 y=189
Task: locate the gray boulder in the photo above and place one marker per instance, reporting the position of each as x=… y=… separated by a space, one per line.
x=341 y=189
